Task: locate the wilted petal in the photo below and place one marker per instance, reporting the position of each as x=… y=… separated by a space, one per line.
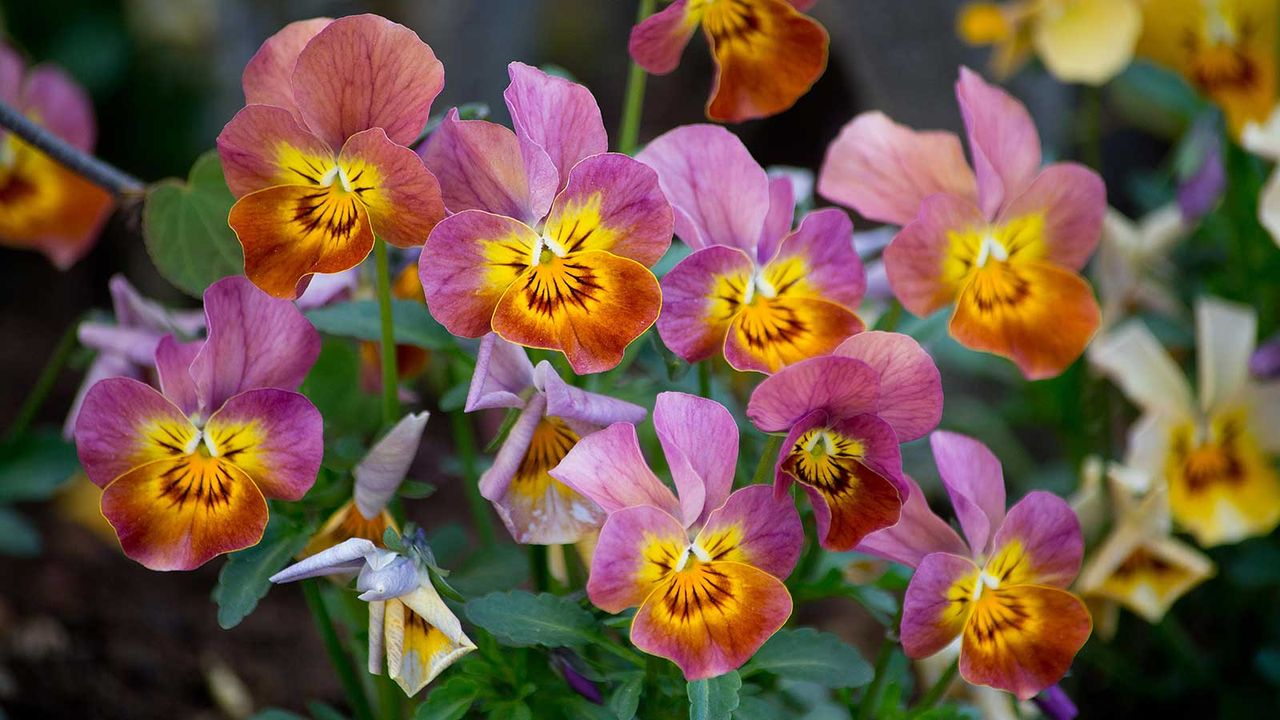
x=974 y=480
x=910 y=387
x=1002 y=139
x=557 y=115
x=700 y=441
x=755 y=527
x=422 y=638
x=380 y=473
x=638 y=548
x=579 y=407
x=397 y=577
x=346 y=557
x=275 y=436
x=842 y=387
x=1145 y=573
x=402 y=197
x=502 y=373
x=657 y=43
x=607 y=467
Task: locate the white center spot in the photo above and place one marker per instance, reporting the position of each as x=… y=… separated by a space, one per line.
x=338 y=175
x=547 y=244
x=695 y=550
x=991 y=248
x=985 y=580
x=758 y=284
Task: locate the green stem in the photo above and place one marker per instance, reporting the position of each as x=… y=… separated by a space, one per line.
x=48 y=376
x=390 y=376
x=938 y=689
x=629 y=136
x=390 y=698
x=333 y=645
x=872 y=695
x=704 y=378
x=539 y=568
x=464 y=439
x=768 y=459
x=627 y=654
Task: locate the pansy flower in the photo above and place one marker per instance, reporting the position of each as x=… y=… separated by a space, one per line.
x=1225 y=49
x=537 y=508
x=377 y=478
x=1004 y=246
x=767 y=52
x=706 y=567
x=755 y=290
x=187 y=470
x=1263 y=140
x=1003 y=592
x=845 y=416
x=43 y=205
x=409 y=624
x=1217 y=456
x=1086 y=41
x=317 y=159
x=553 y=237
x=1134 y=270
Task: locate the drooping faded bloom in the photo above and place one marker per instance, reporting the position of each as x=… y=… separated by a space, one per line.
x=845 y=416
x=317 y=159
x=1003 y=593
x=127 y=347
x=763 y=295
x=187 y=470
x=377 y=478
x=767 y=52
x=1086 y=41
x=1217 y=456
x=705 y=568
x=1133 y=267
x=43 y=205
x=409 y=624
x=553 y=237
x=537 y=508
x=1005 y=246
x=1263 y=140
x=1225 y=49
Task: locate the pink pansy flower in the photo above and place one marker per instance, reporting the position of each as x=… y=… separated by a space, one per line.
x=1003 y=594
x=845 y=416
x=1003 y=243
x=537 y=508
x=552 y=237
x=764 y=295
x=317 y=159
x=706 y=567
x=187 y=470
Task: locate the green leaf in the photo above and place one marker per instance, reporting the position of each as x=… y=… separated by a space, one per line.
x=449 y=701
x=333 y=385
x=756 y=708
x=490 y=570
x=626 y=699
x=812 y=656
x=416 y=490
x=244 y=581
x=32 y=467
x=522 y=619
x=17 y=536
x=715 y=698
x=360 y=319
x=184 y=226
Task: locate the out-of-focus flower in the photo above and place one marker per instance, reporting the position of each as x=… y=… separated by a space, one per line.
x=409 y=624
x=1264 y=140
x=1087 y=41
x=845 y=416
x=1133 y=269
x=377 y=477
x=186 y=473
x=755 y=290
x=537 y=508
x=325 y=289
x=43 y=205
x=705 y=568
x=1201 y=174
x=1226 y=50
x=1264 y=364
x=553 y=237
x=127 y=347
x=767 y=52
x=1217 y=457
x=317 y=159
x=1004 y=247
x=1004 y=592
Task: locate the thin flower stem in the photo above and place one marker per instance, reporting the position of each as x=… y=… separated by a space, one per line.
x=768 y=458
x=627 y=654
x=333 y=645
x=539 y=568
x=390 y=375
x=109 y=178
x=866 y=707
x=938 y=689
x=464 y=439
x=48 y=376
x=629 y=135
x=704 y=378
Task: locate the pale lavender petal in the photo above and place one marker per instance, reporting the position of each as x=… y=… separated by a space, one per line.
x=765 y=529
x=559 y=116
x=326 y=288
x=1265 y=361
x=380 y=473
x=975 y=482
x=346 y=557
x=133 y=310
x=607 y=467
x=910 y=385
x=918 y=533
x=1201 y=186
x=135 y=344
x=397 y=577
x=843 y=387
x=105 y=365
x=503 y=372
x=700 y=440
x=173 y=367
x=574 y=404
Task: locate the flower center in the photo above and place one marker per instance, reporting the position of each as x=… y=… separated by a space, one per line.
x=545 y=250
x=694 y=550
x=990 y=249
x=758 y=284
x=336 y=175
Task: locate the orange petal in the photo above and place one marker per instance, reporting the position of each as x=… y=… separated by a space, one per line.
x=769 y=333
x=589 y=305
x=1034 y=313
x=767 y=54
x=347 y=523
x=291 y=231
x=45 y=207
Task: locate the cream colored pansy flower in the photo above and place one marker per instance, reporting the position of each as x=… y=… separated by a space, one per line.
x=1133 y=267
x=1264 y=141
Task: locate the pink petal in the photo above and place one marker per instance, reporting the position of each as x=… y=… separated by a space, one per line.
x=974 y=481
x=607 y=467
x=559 y=116
x=700 y=440
x=581 y=408
x=402 y=196
x=695 y=319
x=133 y=310
x=824 y=243
x=122 y=426
x=105 y=365
x=913 y=260
x=840 y=386
x=383 y=469
x=720 y=193
x=1073 y=200
x=12 y=68
x=362 y=72
x=612 y=203
x=802 y=5
x=930 y=620
x=268 y=77
x=1002 y=139
x=255 y=341
x=249 y=149
x=275 y=436
x=918 y=533
x=61 y=105
x=502 y=373
x=622 y=573
x=782 y=211
x=756 y=527
x=910 y=385
x=1042 y=536
x=173 y=368
x=885 y=170
x=657 y=43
